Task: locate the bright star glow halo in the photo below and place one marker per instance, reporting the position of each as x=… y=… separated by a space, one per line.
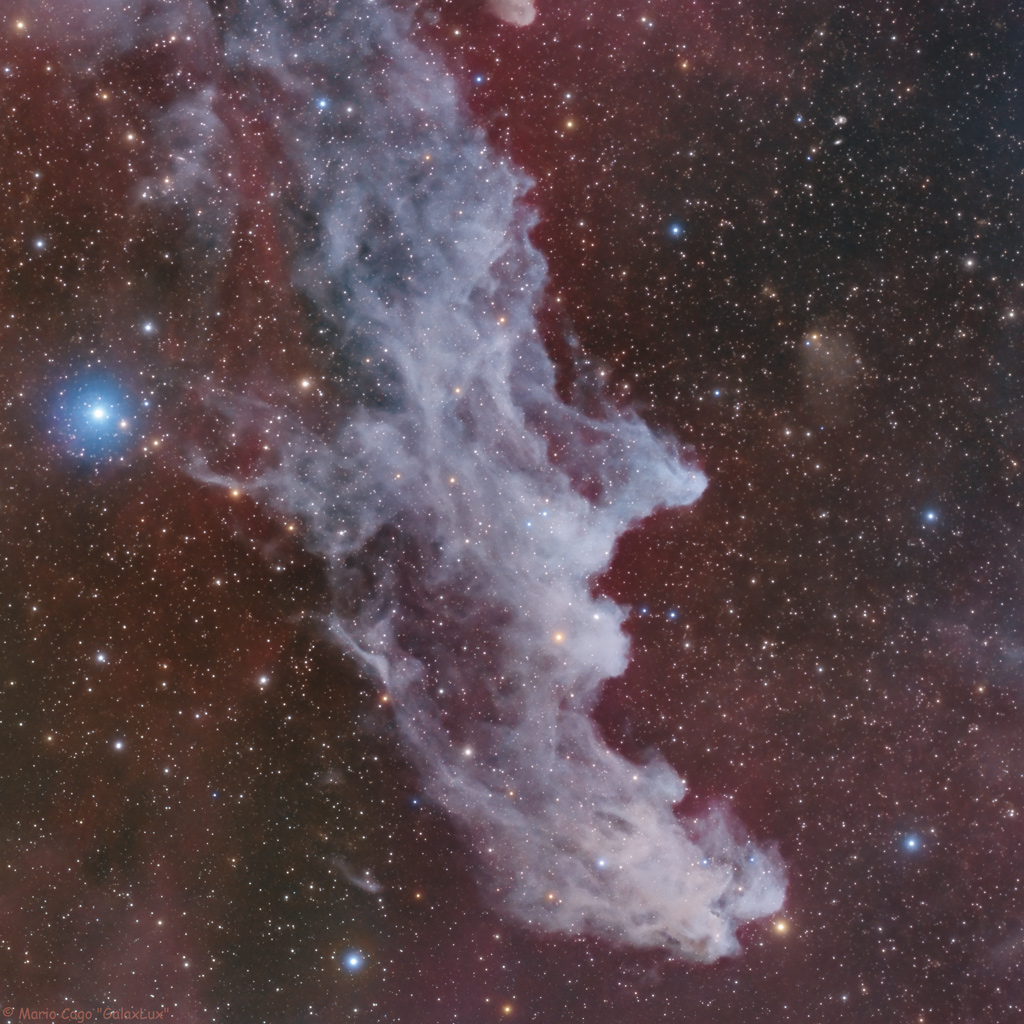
x=96 y=419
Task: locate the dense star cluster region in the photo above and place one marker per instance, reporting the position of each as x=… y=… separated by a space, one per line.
x=512 y=511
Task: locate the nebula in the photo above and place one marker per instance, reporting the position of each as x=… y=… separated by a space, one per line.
x=515 y=12
x=463 y=509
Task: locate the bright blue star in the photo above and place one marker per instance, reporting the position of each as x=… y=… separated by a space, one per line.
x=353 y=960
x=931 y=516
x=95 y=417
x=911 y=843
x=323 y=103
x=677 y=229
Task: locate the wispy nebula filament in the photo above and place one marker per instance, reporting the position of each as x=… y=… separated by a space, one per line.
x=463 y=509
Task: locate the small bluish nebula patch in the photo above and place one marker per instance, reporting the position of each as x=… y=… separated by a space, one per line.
x=353 y=960
x=96 y=418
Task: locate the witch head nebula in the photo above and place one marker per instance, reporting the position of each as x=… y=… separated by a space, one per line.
x=463 y=509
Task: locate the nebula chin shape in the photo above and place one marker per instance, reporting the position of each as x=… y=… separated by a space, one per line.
x=463 y=509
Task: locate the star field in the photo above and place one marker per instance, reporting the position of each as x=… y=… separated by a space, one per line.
x=510 y=517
